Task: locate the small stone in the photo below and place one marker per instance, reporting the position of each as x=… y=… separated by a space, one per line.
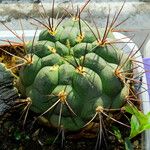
x=136 y=144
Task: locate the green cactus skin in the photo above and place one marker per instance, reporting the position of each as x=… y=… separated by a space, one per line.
x=71 y=75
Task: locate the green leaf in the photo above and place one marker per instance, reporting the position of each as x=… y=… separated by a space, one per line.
x=128 y=144
x=134 y=111
x=117 y=134
x=135 y=126
x=17 y=135
x=139 y=121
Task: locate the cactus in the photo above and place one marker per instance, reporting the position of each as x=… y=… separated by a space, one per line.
x=76 y=77
x=71 y=74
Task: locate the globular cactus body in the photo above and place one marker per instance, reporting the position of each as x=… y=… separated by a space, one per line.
x=71 y=75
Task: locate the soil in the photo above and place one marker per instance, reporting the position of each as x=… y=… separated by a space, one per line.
x=15 y=136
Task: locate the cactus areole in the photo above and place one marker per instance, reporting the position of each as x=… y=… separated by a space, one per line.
x=70 y=74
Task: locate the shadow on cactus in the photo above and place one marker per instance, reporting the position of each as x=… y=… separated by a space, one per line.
x=75 y=75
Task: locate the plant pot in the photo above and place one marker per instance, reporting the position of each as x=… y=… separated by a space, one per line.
x=6 y=35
